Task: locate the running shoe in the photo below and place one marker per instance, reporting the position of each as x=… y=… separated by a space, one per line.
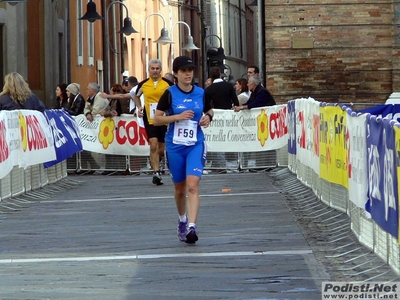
x=182 y=230
x=157 y=180
x=191 y=236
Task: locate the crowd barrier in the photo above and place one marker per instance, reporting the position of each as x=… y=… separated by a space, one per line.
x=85 y=161
x=252 y=139
x=23 y=180
x=350 y=161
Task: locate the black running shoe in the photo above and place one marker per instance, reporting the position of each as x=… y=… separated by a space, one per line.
x=191 y=236
x=157 y=180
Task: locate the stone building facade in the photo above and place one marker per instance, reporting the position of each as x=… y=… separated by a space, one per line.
x=333 y=51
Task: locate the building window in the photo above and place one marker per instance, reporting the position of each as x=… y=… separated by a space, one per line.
x=79 y=33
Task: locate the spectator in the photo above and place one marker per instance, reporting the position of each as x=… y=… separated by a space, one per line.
x=242 y=90
x=94 y=103
x=114 y=108
x=259 y=97
x=223 y=96
x=128 y=105
x=222 y=93
x=62 y=97
x=16 y=94
x=208 y=82
x=76 y=102
x=253 y=71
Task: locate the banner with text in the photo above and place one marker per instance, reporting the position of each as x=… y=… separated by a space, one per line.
x=37 y=142
x=118 y=135
x=25 y=138
x=258 y=129
x=333 y=152
x=357 y=159
x=307 y=129
x=382 y=174
x=66 y=135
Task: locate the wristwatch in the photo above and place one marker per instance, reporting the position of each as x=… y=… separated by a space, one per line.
x=210 y=115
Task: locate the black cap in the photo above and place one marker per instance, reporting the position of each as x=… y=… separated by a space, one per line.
x=182 y=63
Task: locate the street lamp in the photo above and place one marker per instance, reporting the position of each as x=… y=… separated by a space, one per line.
x=213 y=52
x=189 y=46
x=163 y=39
x=91 y=15
x=127 y=29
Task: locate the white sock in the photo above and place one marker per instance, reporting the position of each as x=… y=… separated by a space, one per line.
x=182 y=218
x=192 y=225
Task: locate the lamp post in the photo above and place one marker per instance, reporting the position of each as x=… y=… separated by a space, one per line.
x=163 y=39
x=218 y=53
x=91 y=15
x=189 y=46
x=127 y=29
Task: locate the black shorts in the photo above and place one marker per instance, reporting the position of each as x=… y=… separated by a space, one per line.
x=156 y=132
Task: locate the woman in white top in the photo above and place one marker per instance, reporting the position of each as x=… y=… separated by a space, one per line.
x=243 y=90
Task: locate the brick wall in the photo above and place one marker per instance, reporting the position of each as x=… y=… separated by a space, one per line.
x=333 y=51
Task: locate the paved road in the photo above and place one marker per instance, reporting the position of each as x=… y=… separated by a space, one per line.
x=114 y=237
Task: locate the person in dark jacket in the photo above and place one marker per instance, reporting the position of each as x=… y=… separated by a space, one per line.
x=62 y=97
x=16 y=94
x=259 y=97
x=76 y=101
x=222 y=93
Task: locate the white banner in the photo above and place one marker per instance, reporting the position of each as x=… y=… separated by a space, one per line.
x=357 y=163
x=117 y=135
x=307 y=130
x=37 y=141
x=258 y=129
x=25 y=138
x=10 y=141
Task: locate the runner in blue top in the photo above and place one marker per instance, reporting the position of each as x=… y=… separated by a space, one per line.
x=185 y=109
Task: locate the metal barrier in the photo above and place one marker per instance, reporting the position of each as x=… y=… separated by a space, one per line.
x=20 y=181
x=364 y=228
x=85 y=161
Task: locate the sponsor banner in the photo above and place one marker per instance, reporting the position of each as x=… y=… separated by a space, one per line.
x=382 y=174
x=10 y=141
x=390 y=111
x=37 y=143
x=66 y=135
x=117 y=135
x=307 y=129
x=357 y=158
x=333 y=145
x=258 y=129
x=25 y=138
x=360 y=290
x=291 y=124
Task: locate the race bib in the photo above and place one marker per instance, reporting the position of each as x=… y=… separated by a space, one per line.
x=153 y=107
x=185 y=132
